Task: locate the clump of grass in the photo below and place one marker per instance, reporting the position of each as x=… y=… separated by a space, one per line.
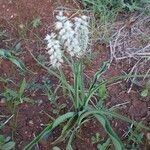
x=130 y=40
x=109 y=9
x=107 y=13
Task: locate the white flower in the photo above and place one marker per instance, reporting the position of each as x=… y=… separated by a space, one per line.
x=66 y=35
x=48 y=37
x=54 y=50
x=82 y=32
x=85 y=17
x=62 y=32
x=58 y=25
x=60 y=16
x=72 y=36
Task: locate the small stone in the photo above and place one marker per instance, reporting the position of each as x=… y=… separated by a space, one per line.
x=2 y=101
x=31 y=122
x=11 y=16
x=21 y=26
x=41 y=124
x=148 y=138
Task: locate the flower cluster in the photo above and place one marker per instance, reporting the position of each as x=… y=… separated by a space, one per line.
x=54 y=50
x=82 y=32
x=71 y=36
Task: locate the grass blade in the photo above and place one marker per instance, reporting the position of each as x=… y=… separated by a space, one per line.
x=22 y=88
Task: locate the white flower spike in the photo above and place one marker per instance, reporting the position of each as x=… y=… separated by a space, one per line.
x=72 y=36
x=54 y=50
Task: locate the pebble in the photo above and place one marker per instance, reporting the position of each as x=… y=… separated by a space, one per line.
x=31 y=123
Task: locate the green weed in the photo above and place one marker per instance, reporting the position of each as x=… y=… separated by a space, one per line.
x=109 y=9
x=135 y=137
x=36 y=22
x=104 y=145
x=14 y=97
x=6 y=143
x=96 y=138
x=5 y=54
x=146 y=90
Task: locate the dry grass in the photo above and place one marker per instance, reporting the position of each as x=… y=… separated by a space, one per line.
x=131 y=40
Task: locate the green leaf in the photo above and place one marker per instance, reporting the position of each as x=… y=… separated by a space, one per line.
x=10 y=94
x=80 y=77
x=103 y=92
x=69 y=147
x=67 y=129
x=62 y=106
x=76 y=84
x=2 y=139
x=49 y=129
x=99 y=73
x=144 y=93
x=2 y=53
x=18 y=46
x=7 y=55
x=8 y=146
x=17 y=62
x=8 y=139
x=22 y=88
x=148 y=85
x=36 y=22
x=106 y=125
x=56 y=148
x=64 y=83
x=105 y=145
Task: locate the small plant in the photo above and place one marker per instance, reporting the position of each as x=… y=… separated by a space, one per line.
x=18 y=95
x=105 y=145
x=13 y=98
x=101 y=144
x=145 y=92
x=109 y=9
x=135 y=137
x=95 y=139
x=36 y=22
x=74 y=44
x=6 y=143
x=4 y=54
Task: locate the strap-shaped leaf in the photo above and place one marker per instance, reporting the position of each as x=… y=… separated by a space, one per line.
x=7 y=55
x=22 y=88
x=69 y=147
x=66 y=129
x=49 y=129
x=106 y=125
x=99 y=73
